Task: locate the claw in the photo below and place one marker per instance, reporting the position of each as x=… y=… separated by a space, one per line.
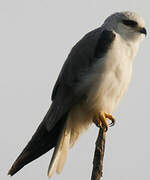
x=110 y=117
x=100 y=120
x=112 y=123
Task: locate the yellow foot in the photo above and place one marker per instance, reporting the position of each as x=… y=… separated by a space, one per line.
x=111 y=118
x=101 y=120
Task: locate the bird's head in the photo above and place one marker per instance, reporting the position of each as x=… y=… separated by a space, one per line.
x=128 y=24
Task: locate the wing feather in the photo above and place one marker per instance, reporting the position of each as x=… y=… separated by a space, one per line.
x=82 y=56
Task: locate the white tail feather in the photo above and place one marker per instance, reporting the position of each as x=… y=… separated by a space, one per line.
x=60 y=153
x=78 y=120
x=64 y=151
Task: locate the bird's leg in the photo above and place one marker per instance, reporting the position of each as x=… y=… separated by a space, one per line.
x=101 y=120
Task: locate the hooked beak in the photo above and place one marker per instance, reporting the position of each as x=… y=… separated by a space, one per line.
x=143 y=31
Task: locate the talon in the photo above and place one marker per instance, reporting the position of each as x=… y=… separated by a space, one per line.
x=104 y=121
x=110 y=117
x=112 y=123
x=100 y=120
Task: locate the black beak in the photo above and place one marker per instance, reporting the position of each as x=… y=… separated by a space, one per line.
x=143 y=31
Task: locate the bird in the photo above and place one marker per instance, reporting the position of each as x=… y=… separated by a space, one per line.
x=92 y=81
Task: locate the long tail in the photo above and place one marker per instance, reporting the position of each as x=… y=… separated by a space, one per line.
x=60 y=153
x=41 y=142
x=62 y=136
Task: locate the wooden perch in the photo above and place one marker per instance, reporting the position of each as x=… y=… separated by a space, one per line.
x=99 y=155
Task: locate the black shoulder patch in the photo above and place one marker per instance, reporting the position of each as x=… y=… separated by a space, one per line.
x=103 y=43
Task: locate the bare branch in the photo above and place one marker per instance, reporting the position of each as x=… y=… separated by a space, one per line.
x=99 y=155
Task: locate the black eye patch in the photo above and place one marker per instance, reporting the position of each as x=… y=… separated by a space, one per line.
x=130 y=23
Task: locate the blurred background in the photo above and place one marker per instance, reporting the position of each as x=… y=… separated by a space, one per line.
x=35 y=39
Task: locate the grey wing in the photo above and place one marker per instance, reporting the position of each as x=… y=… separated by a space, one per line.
x=82 y=56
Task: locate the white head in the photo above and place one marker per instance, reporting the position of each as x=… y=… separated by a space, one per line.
x=128 y=24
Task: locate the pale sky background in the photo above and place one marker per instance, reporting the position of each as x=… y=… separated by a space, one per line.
x=35 y=39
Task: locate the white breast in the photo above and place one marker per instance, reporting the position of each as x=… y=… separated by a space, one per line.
x=110 y=77
x=105 y=83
